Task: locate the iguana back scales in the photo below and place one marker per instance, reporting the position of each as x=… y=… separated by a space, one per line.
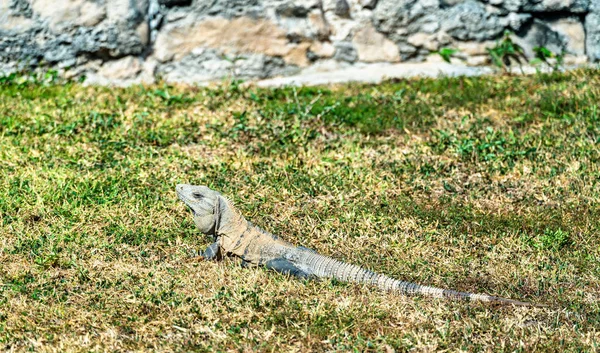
x=233 y=235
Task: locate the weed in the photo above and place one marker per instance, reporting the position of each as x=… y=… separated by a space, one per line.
x=554 y=239
x=505 y=51
x=553 y=60
x=168 y=98
x=446 y=53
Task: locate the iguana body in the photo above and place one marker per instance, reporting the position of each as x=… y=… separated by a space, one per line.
x=233 y=235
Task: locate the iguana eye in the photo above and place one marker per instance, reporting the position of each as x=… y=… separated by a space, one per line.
x=198 y=195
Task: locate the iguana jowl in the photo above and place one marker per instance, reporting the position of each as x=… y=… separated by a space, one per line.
x=233 y=235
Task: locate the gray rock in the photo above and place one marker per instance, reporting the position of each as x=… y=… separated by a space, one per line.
x=428 y=24
x=470 y=21
x=345 y=51
x=449 y=3
x=173 y=3
x=122 y=69
x=59 y=49
x=66 y=64
x=199 y=66
x=155 y=18
x=20 y=48
x=107 y=43
x=592 y=40
x=263 y=66
x=20 y=7
x=55 y=37
x=8 y=68
x=571 y=32
x=543 y=6
x=540 y=34
x=342 y=8
x=292 y=10
x=228 y=8
x=389 y=15
x=399 y=18
x=512 y=5
x=407 y=51
x=209 y=65
x=368 y=4
x=572 y=6
x=515 y=21
x=126 y=13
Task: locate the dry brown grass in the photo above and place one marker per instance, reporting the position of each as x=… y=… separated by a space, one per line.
x=94 y=246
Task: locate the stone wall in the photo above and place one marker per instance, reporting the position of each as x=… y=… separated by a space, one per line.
x=126 y=41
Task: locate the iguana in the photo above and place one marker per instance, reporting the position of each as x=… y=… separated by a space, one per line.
x=233 y=235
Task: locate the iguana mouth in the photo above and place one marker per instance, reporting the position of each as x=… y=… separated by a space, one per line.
x=183 y=197
x=191 y=209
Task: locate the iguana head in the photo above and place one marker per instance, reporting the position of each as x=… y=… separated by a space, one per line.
x=205 y=204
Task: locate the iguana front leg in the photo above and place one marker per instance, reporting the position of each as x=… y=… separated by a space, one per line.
x=212 y=252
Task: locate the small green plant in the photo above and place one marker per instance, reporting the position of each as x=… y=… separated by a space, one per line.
x=506 y=50
x=447 y=53
x=8 y=78
x=548 y=57
x=23 y=78
x=168 y=98
x=553 y=240
x=234 y=83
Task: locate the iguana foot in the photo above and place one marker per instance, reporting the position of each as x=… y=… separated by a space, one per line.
x=212 y=252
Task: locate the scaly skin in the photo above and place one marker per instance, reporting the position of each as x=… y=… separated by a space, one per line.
x=233 y=235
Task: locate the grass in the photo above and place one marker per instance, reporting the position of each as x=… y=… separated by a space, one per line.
x=487 y=184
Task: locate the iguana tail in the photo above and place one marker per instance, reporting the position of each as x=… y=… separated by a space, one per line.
x=326 y=267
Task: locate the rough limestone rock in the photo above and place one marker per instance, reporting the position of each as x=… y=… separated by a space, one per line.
x=372 y=46
x=398 y=18
x=572 y=6
x=322 y=50
x=258 y=37
x=572 y=34
x=368 y=4
x=59 y=13
x=470 y=21
x=592 y=26
x=317 y=21
x=424 y=40
x=16 y=24
x=592 y=31
x=292 y=10
x=126 y=41
x=121 y=69
x=228 y=8
x=542 y=6
x=58 y=32
x=204 y=65
x=474 y=48
x=15 y=17
x=342 y=9
x=345 y=51
x=540 y=34
x=173 y=3
x=516 y=21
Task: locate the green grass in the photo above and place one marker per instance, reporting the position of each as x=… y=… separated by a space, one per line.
x=487 y=184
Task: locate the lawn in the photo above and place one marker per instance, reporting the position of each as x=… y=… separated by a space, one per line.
x=487 y=185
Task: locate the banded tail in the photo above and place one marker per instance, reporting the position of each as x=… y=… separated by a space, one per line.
x=327 y=267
